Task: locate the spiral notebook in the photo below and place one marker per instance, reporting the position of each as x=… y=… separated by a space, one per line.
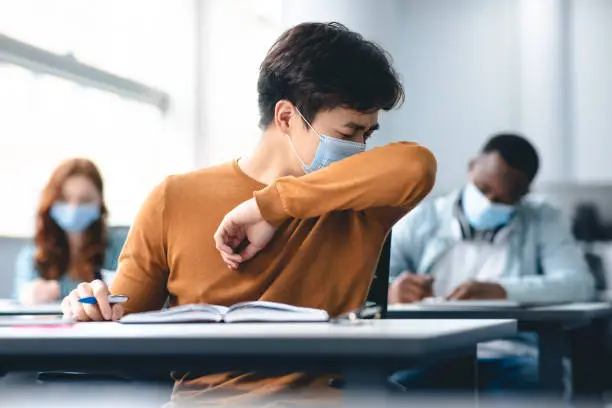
x=258 y=311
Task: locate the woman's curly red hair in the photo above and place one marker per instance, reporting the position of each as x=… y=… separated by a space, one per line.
x=52 y=249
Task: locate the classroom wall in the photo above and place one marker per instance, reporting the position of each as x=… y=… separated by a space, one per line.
x=233 y=38
x=592 y=67
x=458 y=61
x=470 y=68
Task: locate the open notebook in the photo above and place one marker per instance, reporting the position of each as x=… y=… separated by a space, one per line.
x=258 y=311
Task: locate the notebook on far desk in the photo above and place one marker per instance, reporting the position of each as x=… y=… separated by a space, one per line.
x=35 y=320
x=258 y=311
x=443 y=304
x=10 y=307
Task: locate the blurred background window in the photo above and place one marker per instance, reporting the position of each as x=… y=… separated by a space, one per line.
x=46 y=118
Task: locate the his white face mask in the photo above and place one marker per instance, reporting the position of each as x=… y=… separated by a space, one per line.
x=330 y=150
x=481 y=213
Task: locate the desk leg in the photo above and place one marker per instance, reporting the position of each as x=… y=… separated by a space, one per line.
x=476 y=388
x=587 y=348
x=471 y=373
x=551 y=359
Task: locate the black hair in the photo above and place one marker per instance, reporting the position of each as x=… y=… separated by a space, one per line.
x=320 y=66
x=516 y=151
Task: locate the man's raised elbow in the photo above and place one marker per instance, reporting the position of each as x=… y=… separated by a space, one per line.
x=419 y=163
x=429 y=166
x=410 y=172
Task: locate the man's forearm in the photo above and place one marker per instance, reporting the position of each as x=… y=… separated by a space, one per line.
x=397 y=175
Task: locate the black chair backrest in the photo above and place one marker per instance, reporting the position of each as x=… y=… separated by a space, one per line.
x=587 y=224
x=119 y=229
x=380 y=284
x=597 y=269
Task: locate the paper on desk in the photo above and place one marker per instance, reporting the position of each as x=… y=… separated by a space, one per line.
x=35 y=320
x=456 y=304
x=441 y=303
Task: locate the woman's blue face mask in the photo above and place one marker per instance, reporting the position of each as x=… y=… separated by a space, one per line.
x=74 y=218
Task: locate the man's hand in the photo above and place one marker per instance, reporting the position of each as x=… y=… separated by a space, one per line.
x=478 y=290
x=102 y=310
x=244 y=222
x=409 y=287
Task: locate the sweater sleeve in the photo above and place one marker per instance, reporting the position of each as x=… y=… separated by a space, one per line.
x=142 y=273
x=385 y=183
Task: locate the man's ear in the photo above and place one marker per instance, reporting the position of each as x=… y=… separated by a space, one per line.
x=283 y=112
x=471 y=164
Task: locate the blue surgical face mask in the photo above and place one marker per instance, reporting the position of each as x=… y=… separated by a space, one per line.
x=74 y=218
x=330 y=150
x=481 y=213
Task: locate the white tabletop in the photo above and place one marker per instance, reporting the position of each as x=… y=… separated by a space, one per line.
x=9 y=307
x=371 y=337
x=564 y=312
x=576 y=307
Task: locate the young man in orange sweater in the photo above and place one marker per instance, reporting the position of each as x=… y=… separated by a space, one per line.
x=301 y=221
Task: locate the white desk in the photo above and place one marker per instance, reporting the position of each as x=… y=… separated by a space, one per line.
x=571 y=313
x=11 y=308
x=370 y=337
x=364 y=352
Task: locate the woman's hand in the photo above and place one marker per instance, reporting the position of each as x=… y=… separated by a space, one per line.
x=40 y=291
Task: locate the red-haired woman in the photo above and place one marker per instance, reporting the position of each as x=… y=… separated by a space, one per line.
x=72 y=243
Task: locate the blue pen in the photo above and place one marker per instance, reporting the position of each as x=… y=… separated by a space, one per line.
x=112 y=299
